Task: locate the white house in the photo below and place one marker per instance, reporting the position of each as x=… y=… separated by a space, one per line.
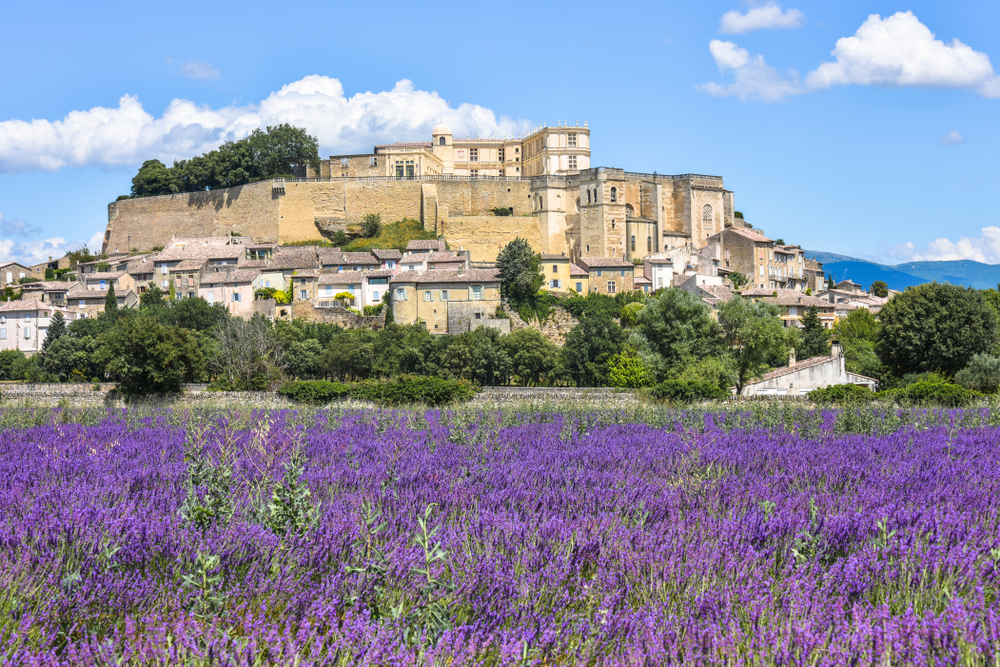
x=799 y=378
x=24 y=324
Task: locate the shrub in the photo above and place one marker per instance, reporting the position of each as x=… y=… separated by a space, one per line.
x=315 y=391
x=410 y=389
x=842 y=393
x=678 y=391
x=502 y=212
x=940 y=394
x=371 y=225
x=982 y=374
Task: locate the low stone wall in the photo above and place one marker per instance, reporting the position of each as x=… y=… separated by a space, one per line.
x=305 y=310
x=85 y=395
x=602 y=396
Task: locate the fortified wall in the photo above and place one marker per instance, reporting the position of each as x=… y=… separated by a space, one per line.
x=598 y=212
x=460 y=208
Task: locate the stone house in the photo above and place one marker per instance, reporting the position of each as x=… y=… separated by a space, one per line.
x=658 y=269
x=334 y=258
x=425 y=245
x=794 y=305
x=799 y=378
x=815 y=276
x=11 y=273
x=234 y=289
x=303 y=284
x=24 y=324
x=368 y=287
x=388 y=257
x=557 y=269
x=608 y=275
x=446 y=301
x=102 y=280
x=52 y=292
x=90 y=303
x=747 y=251
x=579 y=280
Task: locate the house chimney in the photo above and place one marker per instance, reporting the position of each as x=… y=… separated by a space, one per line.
x=791 y=357
x=835 y=350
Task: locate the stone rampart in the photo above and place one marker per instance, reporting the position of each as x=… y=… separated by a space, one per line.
x=554 y=328
x=484 y=235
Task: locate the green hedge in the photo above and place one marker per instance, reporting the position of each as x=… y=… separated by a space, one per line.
x=679 y=391
x=842 y=393
x=398 y=391
x=315 y=391
x=941 y=394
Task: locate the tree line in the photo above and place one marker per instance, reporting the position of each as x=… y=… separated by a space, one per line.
x=277 y=151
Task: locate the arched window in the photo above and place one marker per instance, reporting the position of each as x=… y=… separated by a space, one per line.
x=633 y=243
x=614 y=194
x=649 y=244
x=706 y=213
x=629 y=211
x=441 y=141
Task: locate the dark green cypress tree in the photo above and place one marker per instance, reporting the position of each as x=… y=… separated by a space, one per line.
x=57 y=328
x=111 y=301
x=815 y=339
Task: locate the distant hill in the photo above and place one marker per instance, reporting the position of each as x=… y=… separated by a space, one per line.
x=960 y=272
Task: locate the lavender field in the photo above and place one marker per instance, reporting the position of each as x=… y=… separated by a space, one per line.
x=650 y=537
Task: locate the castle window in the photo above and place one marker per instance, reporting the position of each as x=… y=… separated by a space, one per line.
x=588 y=196
x=555 y=268
x=344 y=162
x=374 y=162
x=611 y=287
x=629 y=211
x=614 y=194
x=633 y=243
x=572 y=162
x=473 y=155
x=517 y=150
x=441 y=141
x=502 y=173
x=500 y=154
x=706 y=213
x=571 y=139
x=588 y=247
x=649 y=244
x=474 y=173
x=612 y=224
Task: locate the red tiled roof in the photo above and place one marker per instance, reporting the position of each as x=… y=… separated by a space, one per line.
x=604 y=263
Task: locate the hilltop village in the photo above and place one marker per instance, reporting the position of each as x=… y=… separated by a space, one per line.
x=261 y=248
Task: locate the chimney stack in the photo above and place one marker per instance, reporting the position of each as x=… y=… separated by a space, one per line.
x=836 y=351
x=791 y=357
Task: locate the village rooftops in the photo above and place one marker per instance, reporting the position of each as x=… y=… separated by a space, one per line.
x=236 y=277
x=444 y=256
x=339 y=258
x=549 y=256
x=196 y=251
x=746 y=233
x=387 y=253
x=591 y=263
x=786 y=297
x=425 y=245
x=104 y=275
x=351 y=277
x=575 y=270
x=296 y=257
x=448 y=276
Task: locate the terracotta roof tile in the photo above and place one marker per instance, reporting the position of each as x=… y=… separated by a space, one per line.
x=295 y=257
x=425 y=244
x=387 y=253
x=604 y=263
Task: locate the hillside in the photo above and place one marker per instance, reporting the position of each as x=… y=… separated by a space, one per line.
x=901 y=276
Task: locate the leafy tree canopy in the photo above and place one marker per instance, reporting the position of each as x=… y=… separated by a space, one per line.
x=935 y=327
x=520 y=275
x=752 y=330
x=879 y=288
x=589 y=347
x=679 y=327
x=279 y=150
x=147 y=357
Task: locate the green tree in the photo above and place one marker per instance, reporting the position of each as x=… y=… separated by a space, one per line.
x=738 y=279
x=73 y=358
x=534 y=359
x=829 y=283
x=626 y=369
x=982 y=374
x=195 y=314
x=111 y=301
x=50 y=273
x=589 y=347
x=717 y=370
x=879 y=288
x=815 y=340
x=304 y=359
x=753 y=331
x=151 y=298
x=350 y=357
x=935 y=327
x=478 y=356
x=520 y=275
x=148 y=357
x=679 y=327
x=154 y=178
x=57 y=329
x=371 y=225
x=12 y=365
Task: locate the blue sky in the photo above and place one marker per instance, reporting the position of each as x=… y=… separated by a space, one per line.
x=839 y=130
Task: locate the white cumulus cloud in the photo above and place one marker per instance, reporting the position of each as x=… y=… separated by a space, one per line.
x=128 y=134
x=984 y=248
x=770 y=15
x=952 y=138
x=10 y=227
x=900 y=51
x=753 y=78
x=32 y=252
x=897 y=51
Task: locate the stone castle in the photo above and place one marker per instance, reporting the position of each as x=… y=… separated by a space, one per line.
x=477 y=193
